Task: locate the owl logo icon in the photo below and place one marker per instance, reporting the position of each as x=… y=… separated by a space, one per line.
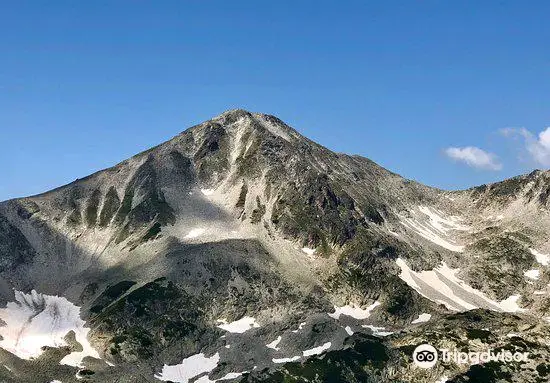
x=425 y=356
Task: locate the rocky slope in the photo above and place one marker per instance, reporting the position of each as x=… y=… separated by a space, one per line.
x=242 y=250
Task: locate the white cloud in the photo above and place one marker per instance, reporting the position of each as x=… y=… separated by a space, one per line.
x=537 y=146
x=474 y=157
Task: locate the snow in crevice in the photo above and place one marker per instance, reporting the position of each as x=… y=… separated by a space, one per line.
x=433 y=226
x=300 y=326
x=442 y=224
x=274 y=129
x=308 y=251
x=441 y=285
x=35 y=320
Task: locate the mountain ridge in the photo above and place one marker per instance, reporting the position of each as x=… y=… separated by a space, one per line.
x=241 y=112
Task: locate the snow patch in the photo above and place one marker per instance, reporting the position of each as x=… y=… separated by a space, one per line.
x=228 y=376
x=35 y=320
x=317 y=350
x=300 y=326
x=189 y=368
x=194 y=233
x=422 y=318
x=353 y=311
x=510 y=304
x=308 y=251
x=286 y=360
x=543 y=259
x=533 y=274
x=207 y=192
x=273 y=345
x=239 y=326
x=348 y=330
x=377 y=331
x=231 y=375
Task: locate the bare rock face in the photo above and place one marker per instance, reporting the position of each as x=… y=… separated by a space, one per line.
x=244 y=246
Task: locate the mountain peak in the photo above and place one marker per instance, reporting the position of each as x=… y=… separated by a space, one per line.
x=234 y=114
x=238 y=119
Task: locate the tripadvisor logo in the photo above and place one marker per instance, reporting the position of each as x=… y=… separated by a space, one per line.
x=426 y=356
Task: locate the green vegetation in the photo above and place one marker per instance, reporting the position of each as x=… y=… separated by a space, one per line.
x=110 y=294
x=362 y=360
x=319 y=213
x=474 y=333
x=500 y=268
x=110 y=206
x=143 y=322
x=90 y=214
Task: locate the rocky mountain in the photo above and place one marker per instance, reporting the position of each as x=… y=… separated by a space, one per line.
x=242 y=251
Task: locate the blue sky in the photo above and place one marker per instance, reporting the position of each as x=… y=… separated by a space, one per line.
x=423 y=88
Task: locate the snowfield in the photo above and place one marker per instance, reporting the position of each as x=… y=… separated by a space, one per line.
x=35 y=320
x=441 y=285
